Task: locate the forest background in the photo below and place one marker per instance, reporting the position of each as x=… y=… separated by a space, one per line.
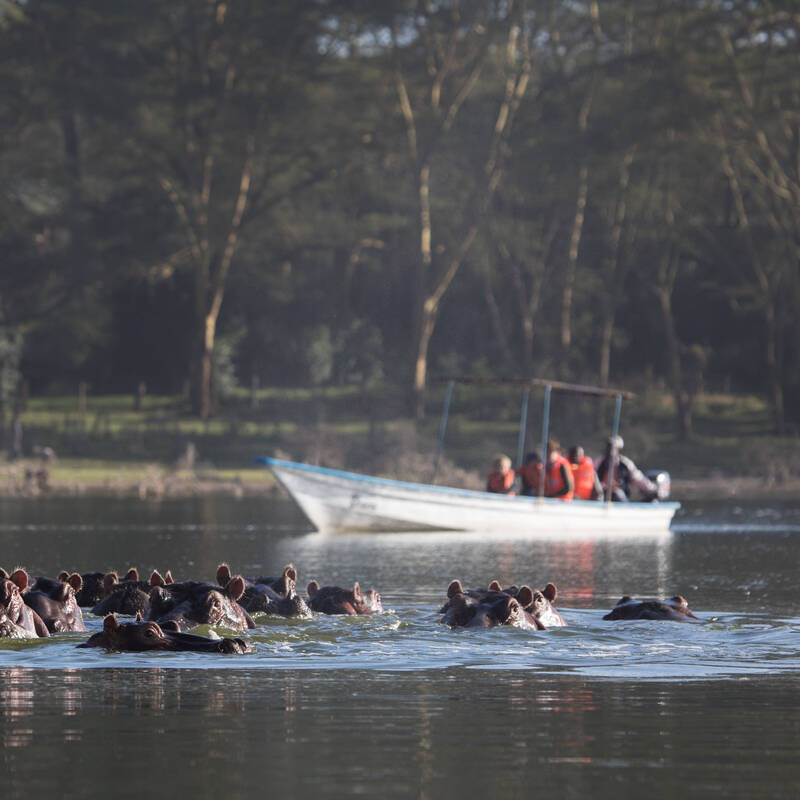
x=229 y=228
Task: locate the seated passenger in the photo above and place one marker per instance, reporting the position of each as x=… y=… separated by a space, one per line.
x=587 y=484
x=501 y=478
x=558 y=473
x=626 y=475
x=530 y=474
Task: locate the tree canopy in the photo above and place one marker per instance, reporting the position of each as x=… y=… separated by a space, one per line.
x=199 y=195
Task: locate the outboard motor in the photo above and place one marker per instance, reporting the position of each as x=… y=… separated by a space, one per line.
x=662 y=483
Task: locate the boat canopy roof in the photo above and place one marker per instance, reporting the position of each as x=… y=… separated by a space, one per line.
x=543 y=383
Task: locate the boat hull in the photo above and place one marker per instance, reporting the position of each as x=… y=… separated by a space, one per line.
x=334 y=500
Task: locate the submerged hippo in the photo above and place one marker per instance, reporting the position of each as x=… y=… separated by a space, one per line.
x=17 y=620
x=129 y=596
x=536 y=605
x=53 y=600
x=140 y=636
x=676 y=609
x=335 y=600
x=273 y=596
x=485 y=610
x=192 y=603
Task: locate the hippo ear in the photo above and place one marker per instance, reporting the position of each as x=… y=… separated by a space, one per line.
x=132 y=574
x=138 y=616
x=525 y=596
x=235 y=588
x=62 y=576
x=20 y=577
x=290 y=572
x=3 y=574
x=357 y=591
x=111 y=623
x=625 y=599
x=312 y=588
x=156 y=579
x=455 y=588
x=495 y=586
x=110 y=580
x=550 y=592
x=223 y=575
x=168 y=577
x=75 y=581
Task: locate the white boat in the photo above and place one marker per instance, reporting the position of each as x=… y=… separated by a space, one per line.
x=337 y=501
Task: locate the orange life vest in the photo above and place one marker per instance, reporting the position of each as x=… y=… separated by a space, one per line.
x=554 y=480
x=501 y=482
x=583 y=477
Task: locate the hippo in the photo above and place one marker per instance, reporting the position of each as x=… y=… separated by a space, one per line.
x=537 y=605
x=192 y=603
x=486 y=608
x=675 y=609
x=541 y=607
x=19 y=621
x=129 y=596
x=91 y=591
x=140 y=636
x=52 y=600
x=274 y=596
x=335 y=600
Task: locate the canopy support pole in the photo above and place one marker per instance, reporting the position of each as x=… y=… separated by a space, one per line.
x=545 y=434
x=523 y=423
x=442 y=427
x=614 y=454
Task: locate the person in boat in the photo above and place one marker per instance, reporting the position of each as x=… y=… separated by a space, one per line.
x=530 y=474
x=558 y=480
x=584 y=475
x=626 y=476
x=501 y=477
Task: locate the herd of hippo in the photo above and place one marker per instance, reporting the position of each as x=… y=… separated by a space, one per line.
x=165 y=609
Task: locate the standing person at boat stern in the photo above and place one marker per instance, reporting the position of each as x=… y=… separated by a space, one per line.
x=558 y=473
x=501 y=478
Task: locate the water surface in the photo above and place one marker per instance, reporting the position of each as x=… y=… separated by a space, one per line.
x=397 y=704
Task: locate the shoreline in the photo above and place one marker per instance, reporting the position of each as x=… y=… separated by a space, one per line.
x=31 y=480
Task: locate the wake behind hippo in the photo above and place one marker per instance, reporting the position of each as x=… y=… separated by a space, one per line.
x=139 y=636
x=675 y=609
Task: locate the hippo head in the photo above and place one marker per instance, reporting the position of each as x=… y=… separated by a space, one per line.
x=539 y=604
x=11 y=601
x=92 y=591
x=196 y=603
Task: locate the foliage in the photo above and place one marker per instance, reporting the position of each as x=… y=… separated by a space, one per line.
x=336 y=192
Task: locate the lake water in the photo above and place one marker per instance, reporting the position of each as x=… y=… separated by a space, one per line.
x=397 y=705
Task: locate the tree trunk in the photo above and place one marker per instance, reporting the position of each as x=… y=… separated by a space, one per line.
x=683 y=402
x=572 y=263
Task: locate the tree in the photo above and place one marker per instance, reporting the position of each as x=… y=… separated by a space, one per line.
x=440 y=55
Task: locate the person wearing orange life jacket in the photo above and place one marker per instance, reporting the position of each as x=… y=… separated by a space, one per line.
x=558 y=481
x=587 y=484
x=530 y=474
x=501 y=478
